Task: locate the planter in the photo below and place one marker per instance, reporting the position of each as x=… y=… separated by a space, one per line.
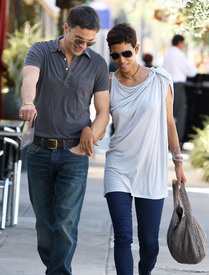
x=11 y=104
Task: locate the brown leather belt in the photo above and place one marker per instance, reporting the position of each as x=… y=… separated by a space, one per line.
x=53 y=144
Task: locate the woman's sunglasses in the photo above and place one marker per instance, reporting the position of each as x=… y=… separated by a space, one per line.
x=126 y=54
x=79 y=41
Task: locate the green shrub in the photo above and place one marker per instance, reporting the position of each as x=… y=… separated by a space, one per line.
x=200 y=154
x=15 y=51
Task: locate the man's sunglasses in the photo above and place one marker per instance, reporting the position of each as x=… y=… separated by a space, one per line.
x=79 y=41
x=126 y=54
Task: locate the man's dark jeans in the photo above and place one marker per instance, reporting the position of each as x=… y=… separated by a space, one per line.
x=57 y=184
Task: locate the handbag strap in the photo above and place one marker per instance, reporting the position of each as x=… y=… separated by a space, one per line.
x=185 y=200
x=110 y=79
x=181 y=194
x=176 y=200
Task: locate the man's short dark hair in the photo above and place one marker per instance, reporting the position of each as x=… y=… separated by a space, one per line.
x=176 y=39
x=122 y=32
x=85 y=17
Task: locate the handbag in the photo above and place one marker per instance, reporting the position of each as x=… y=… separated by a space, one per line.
x=186 y=238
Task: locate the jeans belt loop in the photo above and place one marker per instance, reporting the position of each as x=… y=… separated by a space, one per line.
x=42 y=140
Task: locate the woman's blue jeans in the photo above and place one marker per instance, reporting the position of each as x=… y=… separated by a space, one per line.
x=148 y=214
x=57 y=183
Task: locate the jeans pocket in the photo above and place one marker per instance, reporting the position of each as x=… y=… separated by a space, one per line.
x=33 y=148
x=78 y=155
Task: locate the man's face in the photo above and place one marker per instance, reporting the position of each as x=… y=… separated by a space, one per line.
x=78 y=39
x=181 y=45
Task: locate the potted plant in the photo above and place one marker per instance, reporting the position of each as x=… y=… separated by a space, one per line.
x=200 y=154
x=17 y=45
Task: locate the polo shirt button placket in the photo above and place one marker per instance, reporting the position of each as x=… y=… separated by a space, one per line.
x=65 y=59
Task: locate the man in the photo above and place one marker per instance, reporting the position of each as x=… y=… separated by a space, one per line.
x=176 y=63
x=59 y=78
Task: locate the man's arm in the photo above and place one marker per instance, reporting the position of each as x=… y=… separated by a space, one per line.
x=189 y=69
x=30 y=76
x=90 y=135
x=102 y=106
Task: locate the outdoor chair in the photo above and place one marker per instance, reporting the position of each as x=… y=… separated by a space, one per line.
x=8 y=158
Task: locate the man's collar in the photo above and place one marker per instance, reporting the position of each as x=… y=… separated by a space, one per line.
x=87 y=52
x=55 y=46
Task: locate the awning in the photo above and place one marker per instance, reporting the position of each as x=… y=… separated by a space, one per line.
x=2 y=41
x=48 y=5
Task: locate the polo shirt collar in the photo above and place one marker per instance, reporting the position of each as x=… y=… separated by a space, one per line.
x=55 y=46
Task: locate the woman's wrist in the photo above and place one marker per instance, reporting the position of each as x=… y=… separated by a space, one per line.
x=177 y=163
x=177 y=156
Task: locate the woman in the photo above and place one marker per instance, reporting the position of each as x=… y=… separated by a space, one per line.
x=136 y=167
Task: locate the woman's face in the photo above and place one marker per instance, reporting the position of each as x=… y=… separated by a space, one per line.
x=124 y=63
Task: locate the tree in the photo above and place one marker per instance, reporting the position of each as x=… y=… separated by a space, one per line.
x=18 y=12
x=189 y=15
x=65 y=6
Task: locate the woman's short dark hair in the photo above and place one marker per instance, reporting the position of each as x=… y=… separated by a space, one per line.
x=176 y=39
x=85 y=17
x=122 y=32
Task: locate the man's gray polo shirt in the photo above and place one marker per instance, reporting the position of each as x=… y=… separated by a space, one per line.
x=63 y=94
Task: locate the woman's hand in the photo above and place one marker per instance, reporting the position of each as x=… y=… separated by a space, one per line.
x=180 y=174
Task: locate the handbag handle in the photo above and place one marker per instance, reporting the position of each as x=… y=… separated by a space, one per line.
x=181 y=194
x=176 y=200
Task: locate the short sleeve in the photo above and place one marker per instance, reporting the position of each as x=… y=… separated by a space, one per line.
x=166 y=80
x=35 y=55
x=102 y=77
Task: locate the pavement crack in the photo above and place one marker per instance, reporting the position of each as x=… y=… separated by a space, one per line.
x=4 y=241
x=26 y=210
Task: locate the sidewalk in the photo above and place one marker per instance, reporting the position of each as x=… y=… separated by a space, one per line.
x=94 y=253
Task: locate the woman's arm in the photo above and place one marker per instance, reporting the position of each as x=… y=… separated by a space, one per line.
x=173 y=139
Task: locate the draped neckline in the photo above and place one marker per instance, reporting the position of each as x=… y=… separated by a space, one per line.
x=135 y=86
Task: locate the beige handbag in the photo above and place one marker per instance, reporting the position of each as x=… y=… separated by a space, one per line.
x=186 y=238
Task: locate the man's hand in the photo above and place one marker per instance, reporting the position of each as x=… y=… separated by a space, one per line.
x=87 y=141
x=77 y=150
x=28 y=112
